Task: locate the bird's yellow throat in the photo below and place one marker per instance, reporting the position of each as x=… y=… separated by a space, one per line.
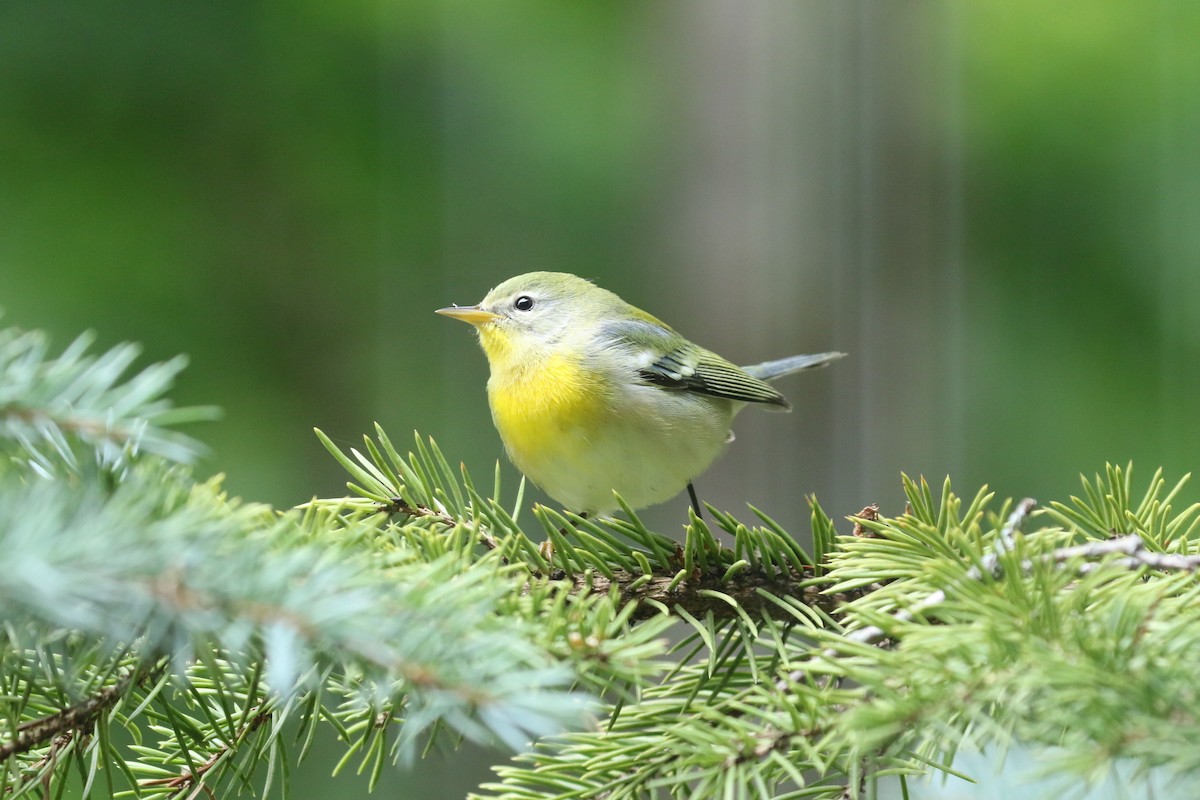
x=535 y=399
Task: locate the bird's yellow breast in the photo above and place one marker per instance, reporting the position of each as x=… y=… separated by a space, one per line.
x=542 y=406
x=580 y=434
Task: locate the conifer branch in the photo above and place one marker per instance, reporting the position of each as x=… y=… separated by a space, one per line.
x=1131 y=545
x=77 y=717
x=1012 y=525
x=195 y=781
x=991 y=563
x=398 y=505
x=723 y=598
x=206 y=625
x=47 y=403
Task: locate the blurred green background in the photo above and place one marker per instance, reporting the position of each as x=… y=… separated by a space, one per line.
x=993 y=206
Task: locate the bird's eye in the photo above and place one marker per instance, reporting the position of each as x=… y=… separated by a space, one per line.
x=523 y=303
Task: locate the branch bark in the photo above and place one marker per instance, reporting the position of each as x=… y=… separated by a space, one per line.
x=77 y=717
x=702 y=594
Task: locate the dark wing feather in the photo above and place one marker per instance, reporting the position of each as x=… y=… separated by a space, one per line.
x=711 y=375
x=682 y=366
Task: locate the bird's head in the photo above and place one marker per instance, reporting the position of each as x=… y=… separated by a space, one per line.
x=535 y=314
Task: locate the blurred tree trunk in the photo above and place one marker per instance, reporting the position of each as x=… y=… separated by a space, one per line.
x=813 y=201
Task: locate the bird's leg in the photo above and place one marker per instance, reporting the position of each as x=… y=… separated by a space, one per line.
x=695 y=500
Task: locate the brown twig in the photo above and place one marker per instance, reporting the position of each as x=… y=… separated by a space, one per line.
x=398 y=505
x=195 y=780
x=77 y=717
x=701 y=594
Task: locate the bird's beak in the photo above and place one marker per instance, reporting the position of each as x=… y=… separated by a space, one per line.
x=472 y=314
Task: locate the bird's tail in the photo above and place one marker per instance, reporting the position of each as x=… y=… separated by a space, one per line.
x=770 y=370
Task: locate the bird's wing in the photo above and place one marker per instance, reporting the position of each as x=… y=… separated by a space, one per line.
x=664 y=358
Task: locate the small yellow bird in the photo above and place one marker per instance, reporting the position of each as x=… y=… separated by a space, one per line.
x=594 y=396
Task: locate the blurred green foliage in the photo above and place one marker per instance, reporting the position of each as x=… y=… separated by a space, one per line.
x=992 y=206
x=1080 y=178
